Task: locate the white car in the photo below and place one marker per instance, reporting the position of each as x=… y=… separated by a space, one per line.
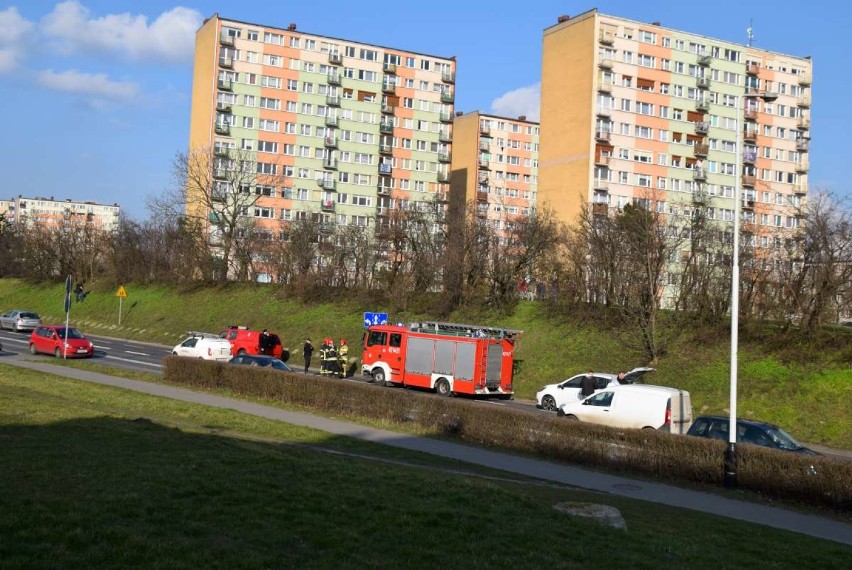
x=19 y=321
x=204 y=345
x=553 y=396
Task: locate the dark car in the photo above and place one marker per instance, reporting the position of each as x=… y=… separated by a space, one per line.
x=261 y=361
x=748 y=431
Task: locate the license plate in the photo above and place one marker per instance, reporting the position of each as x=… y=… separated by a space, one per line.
x=82 y=350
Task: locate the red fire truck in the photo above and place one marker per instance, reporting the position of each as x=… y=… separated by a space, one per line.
x=446 y=357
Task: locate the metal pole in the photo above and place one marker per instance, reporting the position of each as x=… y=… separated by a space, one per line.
x=119 y=310
x=731 y=451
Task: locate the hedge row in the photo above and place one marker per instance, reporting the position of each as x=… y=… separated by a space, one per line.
x=811 y=479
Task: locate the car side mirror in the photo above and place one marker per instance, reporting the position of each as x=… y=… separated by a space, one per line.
x=560 y=386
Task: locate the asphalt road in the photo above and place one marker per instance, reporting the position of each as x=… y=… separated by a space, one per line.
x=148 y=357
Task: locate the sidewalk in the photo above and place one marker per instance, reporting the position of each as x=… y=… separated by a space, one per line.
x=811 y=525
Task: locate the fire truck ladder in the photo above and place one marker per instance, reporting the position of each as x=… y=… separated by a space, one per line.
x=459 y=329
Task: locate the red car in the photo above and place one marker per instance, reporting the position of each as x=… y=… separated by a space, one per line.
x=247 y=341
x=51 y=339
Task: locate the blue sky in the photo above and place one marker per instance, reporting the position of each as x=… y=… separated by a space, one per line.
x=97 y=92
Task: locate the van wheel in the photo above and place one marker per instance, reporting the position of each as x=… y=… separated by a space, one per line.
x=571 y=417
x=33 y=349
x=442 y=387
x=57 y=353
x=241 y=352
x=549 y=403
x=379 y=377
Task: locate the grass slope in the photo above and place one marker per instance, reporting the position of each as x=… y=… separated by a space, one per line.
x=89 y=483
x=806 y=388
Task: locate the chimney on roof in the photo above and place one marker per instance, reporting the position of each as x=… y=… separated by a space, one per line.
x=563 y=18
x=522 y=117
x=292 y=27
x=459 y=113
x=655 y=24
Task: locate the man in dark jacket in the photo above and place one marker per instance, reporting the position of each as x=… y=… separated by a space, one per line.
x=587 y=384
x=307 y=352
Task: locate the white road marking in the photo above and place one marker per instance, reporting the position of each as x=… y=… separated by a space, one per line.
x=138 y=353
x=133 y=361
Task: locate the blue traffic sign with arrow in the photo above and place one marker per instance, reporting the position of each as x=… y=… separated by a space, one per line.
x=371 y=319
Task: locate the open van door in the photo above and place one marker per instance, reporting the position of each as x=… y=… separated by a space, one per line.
x=634 y=375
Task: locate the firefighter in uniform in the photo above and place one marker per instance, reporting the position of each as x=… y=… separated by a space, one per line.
x=322 y=356
x=342 y=357
x=331 y=363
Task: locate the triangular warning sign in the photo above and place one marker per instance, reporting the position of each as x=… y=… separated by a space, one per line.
x=121 y=292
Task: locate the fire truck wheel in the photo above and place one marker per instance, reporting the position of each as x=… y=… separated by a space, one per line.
x=442 y=387
x=378 y=377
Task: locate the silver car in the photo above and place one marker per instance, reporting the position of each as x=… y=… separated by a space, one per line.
x=19 y=320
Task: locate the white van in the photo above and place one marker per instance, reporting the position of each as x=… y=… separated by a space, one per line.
x=204 y=345
x=634 y=406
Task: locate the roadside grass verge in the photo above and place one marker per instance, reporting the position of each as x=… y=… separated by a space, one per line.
x=88 y=483
x=805 y=387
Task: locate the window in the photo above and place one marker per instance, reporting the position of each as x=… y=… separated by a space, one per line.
x=267 y=146
x=269 y=103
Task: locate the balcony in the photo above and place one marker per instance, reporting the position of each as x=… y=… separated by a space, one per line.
x=481 y=195
x=330 y=142
x=386 y=127
x=445 y=136
x=226 y=85
x=329 y=163
x=702 y=105
x=702 y=82
x=388 y=109
x=327 y=205
x=389 y=67
x=804 y=102
x=385 y=148
x=749 y=135
x=484 y=129
x=752 y=69
x=804 y=123
x=748 y=180
x=699 y=175
x=333 y=78
x=442 y=197
x=748 y=203
x=221 y=150
x=335 y=58
x=388 y=87
x=327 y=184
x=701 y=149
x=752 y=91
x=220 y=173
x=331 y=120
x=749 y=157
x=802 y=165
x=484 y=164
x=383 y=190
x=702 y=127
x=223 y=107
x=604 y=87
x=601 y=185
x=605 y=64
x=226 y=62
x=603 y=136
x=223 y=129
x=485 y=145
x=446 y=117
x=332 y=100
x=750 y=114
x=802 y=145
x=704 y=60
x=326 y=228
x=385 y=168
x=448 y=77
x=700 y=197
x=603 y=160
x=444 y=156
x=606 y=38
x=447 y=96
x=600 y=209
x=482 y=178
x=443 y=176
x=604 y=112
x=804 y=79
x=800 y=189
x=226 y=40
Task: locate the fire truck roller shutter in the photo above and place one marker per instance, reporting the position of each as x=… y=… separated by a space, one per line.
x=465 y=360
x=418 y=355
x=445 y=350
x=494 y=365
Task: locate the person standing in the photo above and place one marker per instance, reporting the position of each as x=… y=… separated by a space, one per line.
x=342 y=357
x=307 y=352
x=322 y=356
x=587 y=384
x=79 y=292
x=265 y=342
x=331 y=364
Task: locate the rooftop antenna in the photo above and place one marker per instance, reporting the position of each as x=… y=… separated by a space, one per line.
x=750 y=33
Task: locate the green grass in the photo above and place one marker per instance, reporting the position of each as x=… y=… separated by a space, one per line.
x=806 y=387
x=87 y=483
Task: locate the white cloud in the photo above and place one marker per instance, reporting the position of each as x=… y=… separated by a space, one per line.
x=96 y=84
x=524 y=101
x=168 y=38
x=12 y=39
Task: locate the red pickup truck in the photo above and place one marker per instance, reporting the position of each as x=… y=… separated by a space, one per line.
x=247 y=341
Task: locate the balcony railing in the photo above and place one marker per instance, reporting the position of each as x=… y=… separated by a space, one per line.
x=804 y=79
x=446 y=117
x=223 y=128
x=802 y=145
x=704 y=60
x=448 y=77
x=802 y=166
x=484 y=163
x=606 y=38
x=220 y=173
x=332 y=100
x=702 y=82
x=226 y=40
x=333 y=78
x=602 y=111
x=388 y=87
x=700 y=197
x=748 y=203
x=223 y=107
x=484 y=129
x=447 y=96
x=331 y=120
x=443 y=176
x=804 y=123
x=444 y=156
x=600 y=209
x=750 y=114
x=385 y=148
x=484 y=144
x=605 y=64
x=701 y=149
x=227 y=62
x=800 y=189
x=383 y=190
x=702 y=105
x=748 y=180
x=445 y=136
x=749 y=157
x=226 y=84
x=385 y=169
x=335 y=58
x=389 y=67
x=387 y=109
x=330 y=142
x=604 y=87
x=327 y=184
x=752 y=69
x=602 y=160
x=804 y=101
x=327 y=205
x=386 y=127
x=481 y=195
x=603 y=135
x=601 y=185
x=330 y=163
x=749 y=135
x=699 y=174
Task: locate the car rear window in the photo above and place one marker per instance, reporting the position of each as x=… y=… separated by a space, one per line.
x=29 y=316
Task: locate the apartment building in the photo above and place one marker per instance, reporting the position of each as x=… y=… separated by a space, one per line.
x=51 y=213
x=634 y=112
x=495 y=165
x=337 y=131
